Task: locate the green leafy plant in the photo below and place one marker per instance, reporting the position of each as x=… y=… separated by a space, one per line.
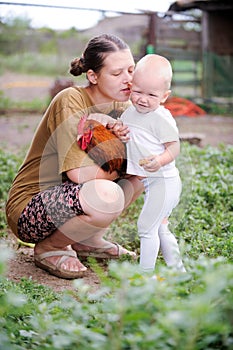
x=35 y=105
x=176 y=311
x=5 y=102
x=9 y=163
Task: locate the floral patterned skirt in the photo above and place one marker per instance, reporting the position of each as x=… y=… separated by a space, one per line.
x=49 y=210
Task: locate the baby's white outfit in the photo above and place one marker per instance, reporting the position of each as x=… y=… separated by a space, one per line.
x=148 y=133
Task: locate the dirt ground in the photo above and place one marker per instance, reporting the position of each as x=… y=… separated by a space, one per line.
x=16 y=132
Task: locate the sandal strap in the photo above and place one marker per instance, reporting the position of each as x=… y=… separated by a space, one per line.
x=102 y=249
x=65 y=253
x=97 y=251
x=122 y=251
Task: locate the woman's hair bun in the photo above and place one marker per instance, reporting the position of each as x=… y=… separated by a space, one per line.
x=77 y=66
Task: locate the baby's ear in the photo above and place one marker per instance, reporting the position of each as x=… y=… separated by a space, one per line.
x=165 y=96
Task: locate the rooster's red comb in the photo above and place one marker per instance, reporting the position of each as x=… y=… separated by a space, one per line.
x=84 y=136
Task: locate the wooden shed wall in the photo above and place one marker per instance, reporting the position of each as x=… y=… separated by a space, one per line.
x=217 y=48
x=217 y=29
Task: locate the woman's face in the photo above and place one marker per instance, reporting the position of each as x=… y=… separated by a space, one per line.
x=113 y=81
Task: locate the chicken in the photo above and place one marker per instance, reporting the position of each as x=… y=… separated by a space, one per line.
x=101 y=145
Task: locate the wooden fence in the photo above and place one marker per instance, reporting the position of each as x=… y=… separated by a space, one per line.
x=180 y=42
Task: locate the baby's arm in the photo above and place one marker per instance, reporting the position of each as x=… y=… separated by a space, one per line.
x=154 y=163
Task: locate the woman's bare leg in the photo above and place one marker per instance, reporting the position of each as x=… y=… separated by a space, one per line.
x=102 y=201
x=132 y=188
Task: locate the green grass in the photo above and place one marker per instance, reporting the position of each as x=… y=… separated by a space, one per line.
x=192 y=311
x=217 y=108
x=38 y=64
x=35 y=105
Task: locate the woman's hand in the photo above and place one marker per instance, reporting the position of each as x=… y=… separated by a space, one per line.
x=119 y=129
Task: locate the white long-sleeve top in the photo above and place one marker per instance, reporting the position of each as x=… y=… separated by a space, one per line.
x=148 y=133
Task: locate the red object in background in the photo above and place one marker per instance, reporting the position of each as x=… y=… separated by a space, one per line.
x=179 y=106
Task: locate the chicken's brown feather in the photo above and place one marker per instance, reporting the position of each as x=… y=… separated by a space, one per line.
x=105 y=148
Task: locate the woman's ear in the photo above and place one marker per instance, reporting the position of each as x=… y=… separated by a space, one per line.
x=165 y=96
x=91 y=76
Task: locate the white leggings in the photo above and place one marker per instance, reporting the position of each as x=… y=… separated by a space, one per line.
x=161 y=197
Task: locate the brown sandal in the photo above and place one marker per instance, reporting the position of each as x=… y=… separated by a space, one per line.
x=102 y=253
x=55 y=269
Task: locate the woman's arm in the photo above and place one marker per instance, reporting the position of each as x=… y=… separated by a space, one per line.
x=102 y=118
x=91 y=172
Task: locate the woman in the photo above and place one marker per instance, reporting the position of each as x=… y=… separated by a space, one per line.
x=60 y=199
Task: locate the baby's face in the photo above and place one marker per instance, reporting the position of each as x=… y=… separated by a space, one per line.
x=147 y=95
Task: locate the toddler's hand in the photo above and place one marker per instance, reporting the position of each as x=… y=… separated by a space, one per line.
x=150 y=163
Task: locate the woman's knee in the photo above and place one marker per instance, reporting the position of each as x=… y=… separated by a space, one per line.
x=102 y=198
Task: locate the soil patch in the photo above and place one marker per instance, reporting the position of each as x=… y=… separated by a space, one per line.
x=21 y=265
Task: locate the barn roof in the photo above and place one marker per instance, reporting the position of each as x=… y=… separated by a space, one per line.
x=205 y=5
